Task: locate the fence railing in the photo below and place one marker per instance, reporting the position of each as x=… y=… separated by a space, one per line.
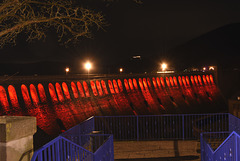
x=159 y=127
x=220 y=146
x=62 y=149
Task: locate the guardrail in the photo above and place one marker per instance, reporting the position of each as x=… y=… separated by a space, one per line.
x=160 y=127
x=221 y=146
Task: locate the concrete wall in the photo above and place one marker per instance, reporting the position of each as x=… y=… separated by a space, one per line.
x=16 y=137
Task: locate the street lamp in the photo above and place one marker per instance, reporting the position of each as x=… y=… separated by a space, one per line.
x=164 y=66
x=121 y=70
x=67 y=70
x=88 y=66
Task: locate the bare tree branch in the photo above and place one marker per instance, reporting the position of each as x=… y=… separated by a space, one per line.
x=35 y=17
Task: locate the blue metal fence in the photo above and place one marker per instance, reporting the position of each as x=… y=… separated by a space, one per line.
x=220 y=146
x=159 y=127
x=80 y=143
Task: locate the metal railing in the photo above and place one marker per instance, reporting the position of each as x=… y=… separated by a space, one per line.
x=220 y=146
x=161 y=127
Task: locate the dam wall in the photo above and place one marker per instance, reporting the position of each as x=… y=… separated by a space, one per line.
x=60 y=103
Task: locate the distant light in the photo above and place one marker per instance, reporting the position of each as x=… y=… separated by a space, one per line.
x=164 y=66
x=211 y=68
x=136 y=57
x=169 y=71
x=238 y=98
x=88 y=66
x=121 y=70
x=67 y=69
x=204 y=68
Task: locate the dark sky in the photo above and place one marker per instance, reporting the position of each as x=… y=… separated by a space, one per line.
x=149 y=30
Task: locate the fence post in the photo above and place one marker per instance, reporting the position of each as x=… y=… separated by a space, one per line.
x=183 y=126
x=137 y=130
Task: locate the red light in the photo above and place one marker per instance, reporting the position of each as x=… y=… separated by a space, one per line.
x=95 y=93
x=74 y=89
x=80 y=89
x=85 y=86
x=59 y=92
x=66 y=91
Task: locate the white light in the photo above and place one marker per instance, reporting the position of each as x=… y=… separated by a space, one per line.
x=164 y=66
x=88 y=65
x=211 y=68
x=67 y=69
x=121 y=70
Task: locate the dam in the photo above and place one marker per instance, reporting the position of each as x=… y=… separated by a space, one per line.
x=61 y=102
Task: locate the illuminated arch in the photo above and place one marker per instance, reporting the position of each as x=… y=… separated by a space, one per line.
x=211 y=79
x=175 y=81
x=158 y=82
x=120 y=85
x=171 y=81
x=52 y=93
x=180 y=80
x=208 y=80
x=145 y=83
x=26 y=97
x=66 y=91
x=34 y=95
x=149 y=83
x=115 y=86
x=200 y=80
x=204 y=79
x=187 y=80
x=184 y=81
x=13 y=96
x=74 y=89
x=3 y=99
x=196 y=80
x=167 y=81
x=100 y=91
x=86 y=89
x=42 y=94
x=192 y=80
x=126 y=84
x=140 y=83
x=135 y=83
x=154 y=82
x=162 y=82
x=59 y=92
x=130 y=84
x=95 y=93
x=80 y=89
x=104 y=87
x=111 y=86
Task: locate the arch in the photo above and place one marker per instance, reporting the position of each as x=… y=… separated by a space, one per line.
x=42 y=94
x=184 y=81
x=130 y=84
x=80 y=89
x=162 y=82
x=192 y=80
x=171 y=81
x=13 y=96
x=208 y=80
x=34 y=95
x=167 y=81
x=126 y=84
x=211 y=79
x=135 y=83
x=52 y=93
x=175 y=81
x=74 y=89
x=66 y=91
x=145 y=83
x=59 y=92
x=154 y=82
x=100 y=91
x=104 y=87
x=95 y=93
x=187 y=80
x=149 y=82
x=3 y=99
x=120 y=85
x=140 y=83
x=86 y=89
x=158 y=82
x=180 y=80
x=200 y=80
x=204 y=79
x=110 y=85
x=26 y=97
x=115 y=86
x=196 y=80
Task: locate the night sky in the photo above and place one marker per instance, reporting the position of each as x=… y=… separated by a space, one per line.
x=158 y=30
